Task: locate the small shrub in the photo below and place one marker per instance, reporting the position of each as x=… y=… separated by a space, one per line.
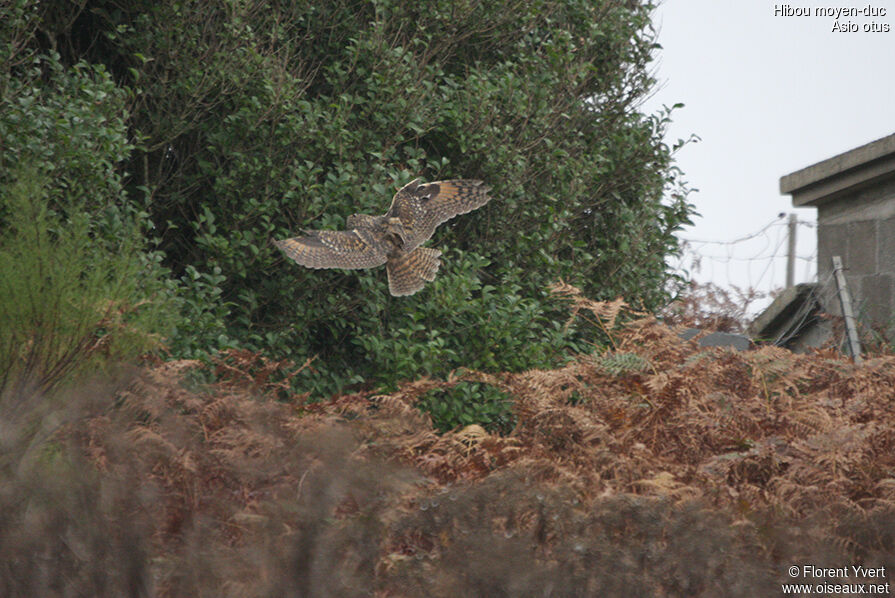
x=469 y=403
x=67 y=306
x=711 y=307
x=78 y=288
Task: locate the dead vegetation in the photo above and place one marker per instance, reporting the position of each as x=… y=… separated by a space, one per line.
x=655 y=467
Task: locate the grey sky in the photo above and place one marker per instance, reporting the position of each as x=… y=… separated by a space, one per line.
x=768 y=95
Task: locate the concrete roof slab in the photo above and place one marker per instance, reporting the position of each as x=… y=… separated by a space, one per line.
x=830 y=178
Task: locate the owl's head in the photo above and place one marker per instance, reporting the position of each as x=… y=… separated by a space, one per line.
x=394 y=226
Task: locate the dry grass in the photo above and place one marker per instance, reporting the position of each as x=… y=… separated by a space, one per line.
x=654 y=468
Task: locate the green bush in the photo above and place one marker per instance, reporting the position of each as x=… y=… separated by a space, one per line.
x=462 y=322
x=254 y=120
x=78 y=291
x=67 y=306
x=468 y=403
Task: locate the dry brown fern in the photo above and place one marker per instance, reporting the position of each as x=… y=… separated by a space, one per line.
x=618 y=454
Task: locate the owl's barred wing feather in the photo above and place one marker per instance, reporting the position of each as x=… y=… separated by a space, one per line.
x=361 y=221
x=422 y=208
x=351 y=250
x=453 y=198
x=409 y=272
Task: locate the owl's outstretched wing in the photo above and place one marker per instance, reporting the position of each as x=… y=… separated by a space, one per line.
x=352 y=250
x=422 y=207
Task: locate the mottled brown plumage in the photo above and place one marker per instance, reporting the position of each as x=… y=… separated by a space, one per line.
x=394 y=238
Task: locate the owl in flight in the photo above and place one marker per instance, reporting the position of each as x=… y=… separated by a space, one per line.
x=394 y=238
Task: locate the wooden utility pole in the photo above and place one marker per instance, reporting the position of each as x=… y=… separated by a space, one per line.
x=851 y=330
x=791 y=254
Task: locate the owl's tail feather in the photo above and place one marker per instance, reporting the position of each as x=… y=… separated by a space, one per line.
x=408 y=272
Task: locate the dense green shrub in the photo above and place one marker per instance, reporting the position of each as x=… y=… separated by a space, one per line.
x=253 y=120
x=78 y=290
x=66 y=305
x=468 y=403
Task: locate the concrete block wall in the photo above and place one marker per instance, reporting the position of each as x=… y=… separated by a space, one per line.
x=861 y=229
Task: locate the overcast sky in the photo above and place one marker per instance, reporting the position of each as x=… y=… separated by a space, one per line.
x=767 y=95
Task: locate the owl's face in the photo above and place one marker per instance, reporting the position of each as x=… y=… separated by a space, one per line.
x=393 y=226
